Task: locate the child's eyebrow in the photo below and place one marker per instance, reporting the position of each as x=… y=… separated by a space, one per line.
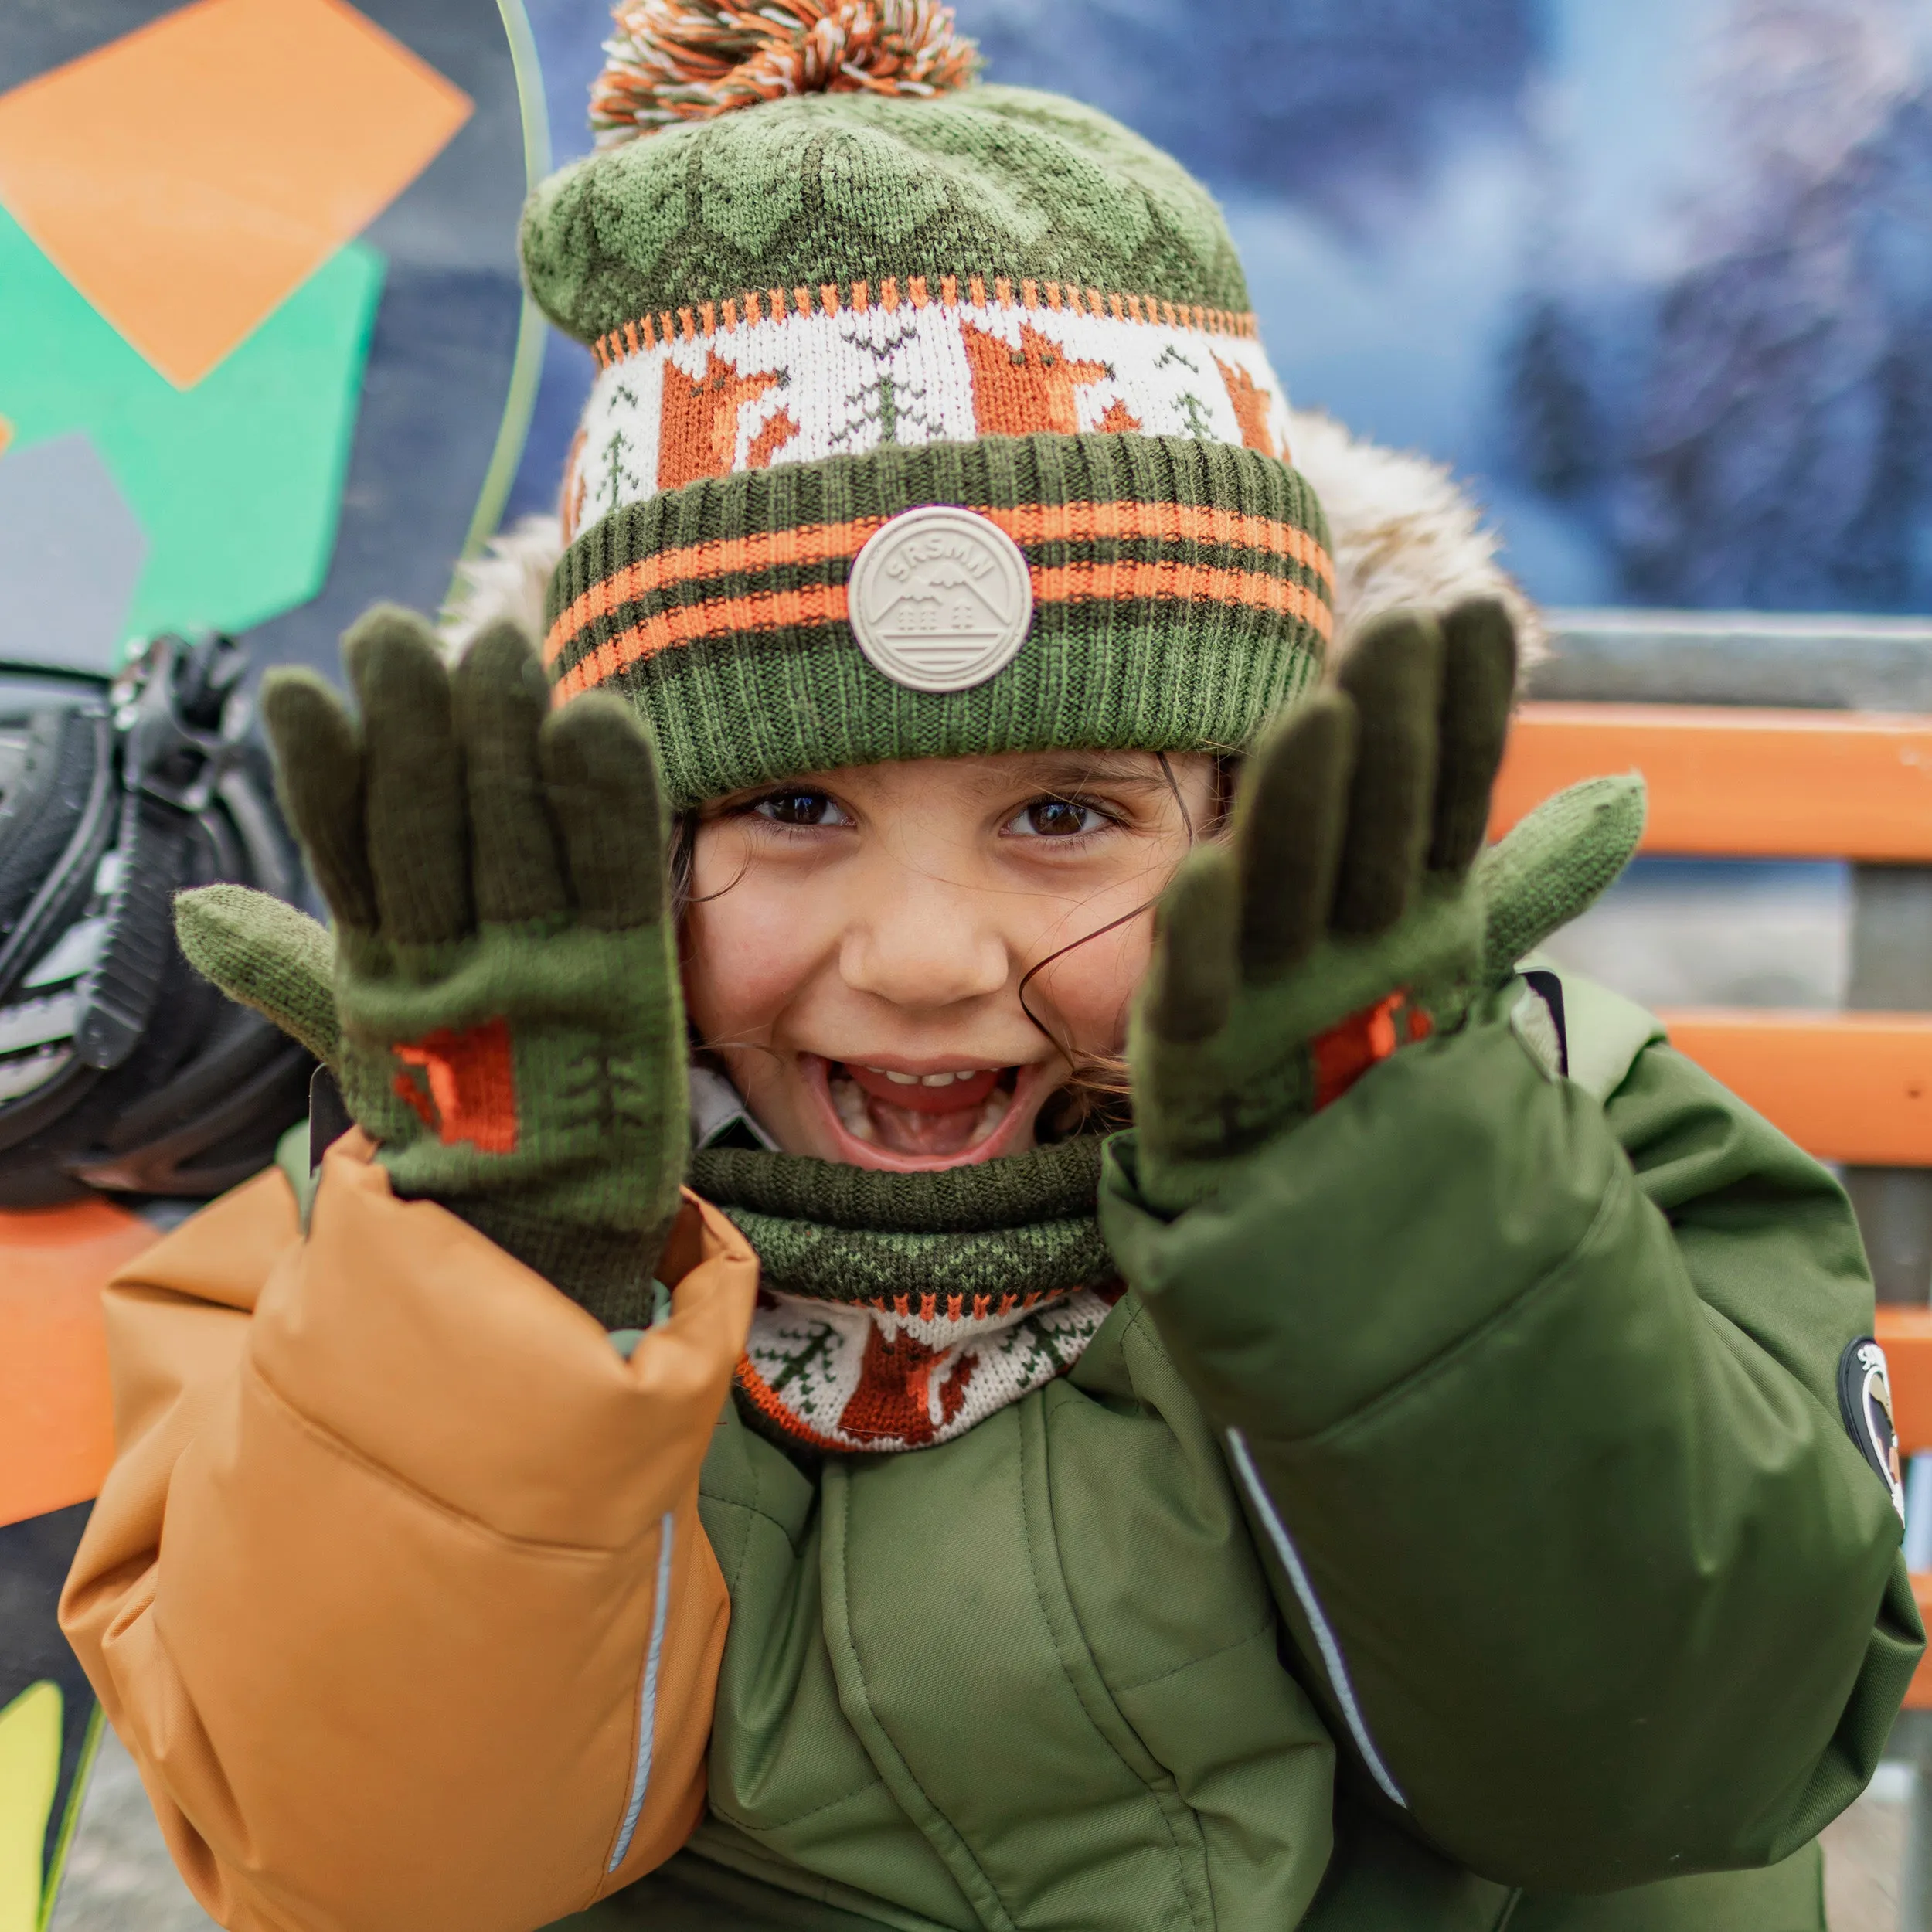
x=1069 y=772
x=1054 y=771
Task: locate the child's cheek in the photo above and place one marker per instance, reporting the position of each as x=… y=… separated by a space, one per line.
x=1090 y=990
x=746 y=958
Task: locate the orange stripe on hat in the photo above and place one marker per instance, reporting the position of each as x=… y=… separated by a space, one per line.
x=1119 y=581
x=1124 y=581
x=1075 y=522
x=719 y=556
x=1079 y=522
x=715 y=617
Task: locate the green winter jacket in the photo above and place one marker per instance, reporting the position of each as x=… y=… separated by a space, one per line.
x=1453 y=1527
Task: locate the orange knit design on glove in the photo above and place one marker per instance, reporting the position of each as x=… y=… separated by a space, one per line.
x=472 y=1086
x=1345 y=1052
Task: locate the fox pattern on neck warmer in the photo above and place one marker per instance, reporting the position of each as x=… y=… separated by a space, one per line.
x=900 y=1310
x=912 y=1372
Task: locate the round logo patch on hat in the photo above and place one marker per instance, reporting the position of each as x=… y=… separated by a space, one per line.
x=940 y=598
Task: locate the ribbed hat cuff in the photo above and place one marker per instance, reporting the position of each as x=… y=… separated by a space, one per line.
x=1181 y=592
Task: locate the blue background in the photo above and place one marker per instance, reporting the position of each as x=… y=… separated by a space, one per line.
x=1655 y=277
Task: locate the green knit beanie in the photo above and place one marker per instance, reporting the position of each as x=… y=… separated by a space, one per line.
x=832 y=284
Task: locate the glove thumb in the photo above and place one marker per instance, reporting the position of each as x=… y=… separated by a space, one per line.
x=262 y=952
x=1556 y=864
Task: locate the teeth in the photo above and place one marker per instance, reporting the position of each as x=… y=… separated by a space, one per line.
x=848 y=1102
x=993 y=1112
x=919 y=1080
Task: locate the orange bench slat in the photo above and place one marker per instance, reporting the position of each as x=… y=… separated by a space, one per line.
x=1904 y=1330
x=1918 y=1696
x=57 y=1414
x=1855 y=1087
x=1737 y=783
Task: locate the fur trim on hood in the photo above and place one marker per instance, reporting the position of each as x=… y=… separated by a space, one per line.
x=1405 y=533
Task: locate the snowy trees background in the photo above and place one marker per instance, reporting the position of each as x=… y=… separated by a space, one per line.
x=1655 y=276
x=1707 y=378
x=1753 y=427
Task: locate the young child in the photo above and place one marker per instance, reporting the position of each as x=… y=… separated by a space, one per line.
x=1400 y=1484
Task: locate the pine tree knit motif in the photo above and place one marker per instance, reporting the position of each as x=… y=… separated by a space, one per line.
x=862 y=1377
x=892 y=399
x=773 y=376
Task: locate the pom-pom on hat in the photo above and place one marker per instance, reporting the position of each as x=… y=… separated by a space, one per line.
x=672 y=60
x=829 y=281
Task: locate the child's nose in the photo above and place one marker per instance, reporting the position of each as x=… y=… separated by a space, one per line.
x=927 y=950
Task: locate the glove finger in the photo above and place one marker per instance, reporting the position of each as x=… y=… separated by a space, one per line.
x=1394 y=675
x=319 y=777
x=1478 y=684
x=600 y=770
x=418 y=835
x=1288 y=822
x=1191 y=983
x=502 y=699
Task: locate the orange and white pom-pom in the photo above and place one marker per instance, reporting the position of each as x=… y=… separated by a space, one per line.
x=672 y=60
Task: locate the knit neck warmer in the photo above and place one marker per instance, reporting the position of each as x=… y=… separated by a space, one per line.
x=895 y=1311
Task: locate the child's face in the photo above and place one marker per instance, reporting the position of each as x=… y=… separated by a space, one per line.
x=856 y=939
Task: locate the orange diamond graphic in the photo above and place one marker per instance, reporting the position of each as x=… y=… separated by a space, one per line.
x=188 y=177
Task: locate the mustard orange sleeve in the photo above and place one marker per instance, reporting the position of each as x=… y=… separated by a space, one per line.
x=396 y=1592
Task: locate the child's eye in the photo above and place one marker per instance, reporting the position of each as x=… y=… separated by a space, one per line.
x=798 y=807
x=1057 y=818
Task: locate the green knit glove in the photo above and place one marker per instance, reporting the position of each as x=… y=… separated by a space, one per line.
x=505 y=967
x=1346 y=915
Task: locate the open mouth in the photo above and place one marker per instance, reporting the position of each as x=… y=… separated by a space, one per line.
x=945 y=1117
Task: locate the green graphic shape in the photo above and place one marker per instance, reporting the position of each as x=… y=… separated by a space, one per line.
x=238 y=480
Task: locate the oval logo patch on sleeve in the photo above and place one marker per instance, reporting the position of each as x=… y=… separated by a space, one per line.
x=1865 y=1400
